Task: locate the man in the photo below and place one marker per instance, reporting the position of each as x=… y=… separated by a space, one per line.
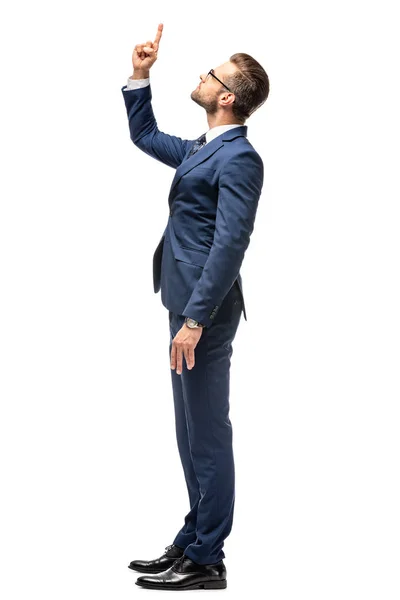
x=213 y=202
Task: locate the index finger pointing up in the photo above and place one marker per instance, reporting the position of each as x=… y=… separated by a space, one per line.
x=158 y=36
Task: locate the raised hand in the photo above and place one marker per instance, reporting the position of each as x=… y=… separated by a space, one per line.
x=145 y=55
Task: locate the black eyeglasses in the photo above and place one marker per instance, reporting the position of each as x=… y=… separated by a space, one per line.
x=211 y=72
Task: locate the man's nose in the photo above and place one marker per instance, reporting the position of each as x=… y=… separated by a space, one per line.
x=203 y=77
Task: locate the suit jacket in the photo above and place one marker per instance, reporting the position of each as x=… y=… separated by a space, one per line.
x=213 y=202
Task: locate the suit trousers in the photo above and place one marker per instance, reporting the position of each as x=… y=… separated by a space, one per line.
x=204 y=433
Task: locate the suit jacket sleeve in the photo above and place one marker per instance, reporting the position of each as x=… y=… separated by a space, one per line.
x=144 y=132
x=240 y=185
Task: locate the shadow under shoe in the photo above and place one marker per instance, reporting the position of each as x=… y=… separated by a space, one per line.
x=158 y=565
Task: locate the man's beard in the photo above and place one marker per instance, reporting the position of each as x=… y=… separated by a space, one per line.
x=209 y=104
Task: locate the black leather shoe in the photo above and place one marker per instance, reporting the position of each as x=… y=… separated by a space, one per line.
x=187 y=575
x=158 y=565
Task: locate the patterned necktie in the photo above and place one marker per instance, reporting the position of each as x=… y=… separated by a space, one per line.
x=199 y=143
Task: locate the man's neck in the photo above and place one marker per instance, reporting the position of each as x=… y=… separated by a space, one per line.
x=215 y=121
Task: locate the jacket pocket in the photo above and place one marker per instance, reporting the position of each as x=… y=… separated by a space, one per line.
x=189 y=255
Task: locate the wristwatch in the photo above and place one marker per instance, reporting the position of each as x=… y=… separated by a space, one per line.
x=192 y=323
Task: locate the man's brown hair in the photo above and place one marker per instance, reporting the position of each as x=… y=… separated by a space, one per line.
x=250 y=85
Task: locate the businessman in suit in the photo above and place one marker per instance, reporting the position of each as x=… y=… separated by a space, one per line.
x=213 y=202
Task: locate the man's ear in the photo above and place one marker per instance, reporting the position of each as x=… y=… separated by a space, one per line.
x=227 y=98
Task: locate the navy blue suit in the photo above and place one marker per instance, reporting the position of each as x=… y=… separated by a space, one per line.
x=213 y=202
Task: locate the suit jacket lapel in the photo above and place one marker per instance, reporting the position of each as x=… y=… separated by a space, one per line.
x=206 y=151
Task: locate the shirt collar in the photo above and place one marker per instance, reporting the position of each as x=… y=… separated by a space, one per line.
x=218 y=130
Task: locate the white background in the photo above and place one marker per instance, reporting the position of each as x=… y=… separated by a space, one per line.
x=90 y=472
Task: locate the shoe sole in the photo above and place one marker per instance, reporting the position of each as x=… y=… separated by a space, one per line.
x=206 y=585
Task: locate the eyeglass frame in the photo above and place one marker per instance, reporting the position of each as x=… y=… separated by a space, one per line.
x=210 y=72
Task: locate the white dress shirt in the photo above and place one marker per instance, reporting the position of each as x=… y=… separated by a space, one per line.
x=134 y=84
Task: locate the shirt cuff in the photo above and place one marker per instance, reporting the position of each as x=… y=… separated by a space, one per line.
x=134 y=84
